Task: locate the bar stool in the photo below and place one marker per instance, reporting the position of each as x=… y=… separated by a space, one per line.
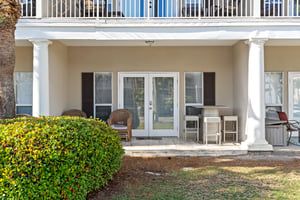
x=215 y=120
x=195 y=129
x=234 y=130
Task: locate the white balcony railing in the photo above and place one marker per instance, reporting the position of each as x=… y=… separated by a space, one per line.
x=280 y=8
x=28 y=8
x=156 y=8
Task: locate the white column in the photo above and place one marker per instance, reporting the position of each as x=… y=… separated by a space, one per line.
x=255 y=126
x=40 y=99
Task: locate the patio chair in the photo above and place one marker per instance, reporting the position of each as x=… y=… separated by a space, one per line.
x=23 y=115
x=74 y=112
x=291 y=125
x=121 y=121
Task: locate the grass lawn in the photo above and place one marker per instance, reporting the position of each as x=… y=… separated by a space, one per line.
x=218 y=179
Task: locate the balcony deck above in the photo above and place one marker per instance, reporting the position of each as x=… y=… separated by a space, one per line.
x=159 y=9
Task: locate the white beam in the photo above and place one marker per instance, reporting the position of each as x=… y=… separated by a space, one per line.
x=255 y=125
x=69 y=32
x=40 y=99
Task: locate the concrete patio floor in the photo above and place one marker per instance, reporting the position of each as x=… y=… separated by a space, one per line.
x=178 y=147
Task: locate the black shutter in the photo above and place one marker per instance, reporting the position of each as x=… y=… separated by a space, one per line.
x=87 y=93
x=209 y=88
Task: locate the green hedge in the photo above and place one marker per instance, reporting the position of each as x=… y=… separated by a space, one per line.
x=56 y=157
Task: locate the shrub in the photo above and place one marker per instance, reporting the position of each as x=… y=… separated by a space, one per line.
x=56 y=157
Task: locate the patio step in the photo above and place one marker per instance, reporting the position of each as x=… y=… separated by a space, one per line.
x=291 y=150
x=183 y=150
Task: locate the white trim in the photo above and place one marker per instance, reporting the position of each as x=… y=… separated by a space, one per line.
x=23 y=104
x=94 y=90
x=144 y=31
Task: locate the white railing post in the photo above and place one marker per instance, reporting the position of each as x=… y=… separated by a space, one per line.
x=256 y=8
x=39 y=8
x=148 y=9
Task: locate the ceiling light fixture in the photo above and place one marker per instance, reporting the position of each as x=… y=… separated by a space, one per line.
x=149 y=42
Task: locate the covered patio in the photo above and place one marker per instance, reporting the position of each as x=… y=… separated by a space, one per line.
x=239 y=60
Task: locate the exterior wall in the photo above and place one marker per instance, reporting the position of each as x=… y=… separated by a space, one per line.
x=58 y=77
x=24 y=61
x=240 y=85
x=282 y=59
x=152 y=59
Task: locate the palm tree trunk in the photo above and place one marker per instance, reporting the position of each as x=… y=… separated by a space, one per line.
x=7 y=65
x=9 y=15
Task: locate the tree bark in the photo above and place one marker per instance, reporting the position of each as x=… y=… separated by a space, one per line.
x=7 y=65
x=9 y=15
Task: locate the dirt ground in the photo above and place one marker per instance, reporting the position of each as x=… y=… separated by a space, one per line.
x=137 y=170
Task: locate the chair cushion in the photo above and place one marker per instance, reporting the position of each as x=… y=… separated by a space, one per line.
x=119 y=127
x=282 y=116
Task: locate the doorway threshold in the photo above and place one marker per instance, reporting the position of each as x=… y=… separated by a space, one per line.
x=148 y=138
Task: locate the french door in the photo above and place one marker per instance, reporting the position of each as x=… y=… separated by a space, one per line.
x=153 y=100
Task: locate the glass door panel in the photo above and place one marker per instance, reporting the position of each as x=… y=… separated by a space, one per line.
x=134 y=100
x=294 y=95
x=163 y=103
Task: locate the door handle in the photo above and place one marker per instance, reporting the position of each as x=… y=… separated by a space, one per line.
x=150 y=108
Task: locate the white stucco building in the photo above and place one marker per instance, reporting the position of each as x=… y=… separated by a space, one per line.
x=153 y=56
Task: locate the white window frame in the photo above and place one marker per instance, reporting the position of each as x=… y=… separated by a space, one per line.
x=15 y=88
x=282 y=94
x=112 y=86
x=192 y=104
x=291 y=75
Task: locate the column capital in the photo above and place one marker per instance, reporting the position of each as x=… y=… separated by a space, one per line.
x=37 y=41
x=256 y=40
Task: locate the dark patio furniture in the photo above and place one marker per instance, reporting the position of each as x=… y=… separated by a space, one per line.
x=28 y=9
x=228 y=9
x=291 y=125
x=192 y=10
x=89 y=9
x=23 y=115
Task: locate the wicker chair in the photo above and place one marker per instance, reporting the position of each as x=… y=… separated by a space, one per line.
x=23 y=115
x=74 y=112
x=121 y=121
